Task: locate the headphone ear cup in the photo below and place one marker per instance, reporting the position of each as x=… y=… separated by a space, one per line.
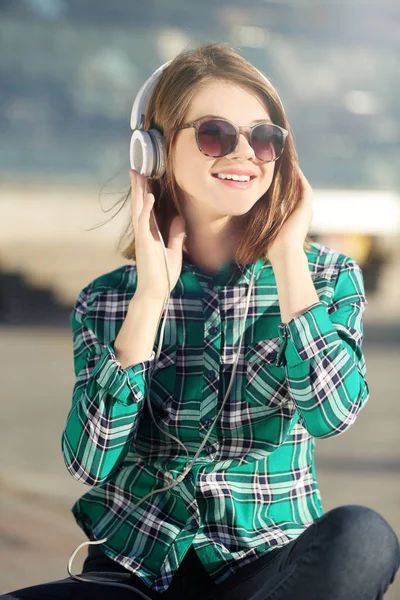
x=147 y=153
x=141 y=153
x=158 y=145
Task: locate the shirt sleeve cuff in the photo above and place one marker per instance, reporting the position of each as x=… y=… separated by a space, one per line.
x=128 y=385
x=306 y=336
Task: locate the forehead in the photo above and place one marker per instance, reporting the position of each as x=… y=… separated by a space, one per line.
x=228 y=100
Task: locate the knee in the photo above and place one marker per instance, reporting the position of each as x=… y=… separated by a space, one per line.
x=358 y=529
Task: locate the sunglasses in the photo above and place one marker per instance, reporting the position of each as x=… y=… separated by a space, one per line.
x=219 y=137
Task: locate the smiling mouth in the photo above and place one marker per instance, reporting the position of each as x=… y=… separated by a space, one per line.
x=231 y=178
x=236 y=183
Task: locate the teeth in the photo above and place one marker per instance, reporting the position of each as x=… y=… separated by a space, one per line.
x=234 y=177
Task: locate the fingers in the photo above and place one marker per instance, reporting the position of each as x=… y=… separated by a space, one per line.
x=153 y=226
x=303 y=179
x=142 y=205
x=137 y=195
x=132 y=175
x=177 y=234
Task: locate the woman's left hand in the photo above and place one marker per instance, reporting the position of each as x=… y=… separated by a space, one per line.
x=296 y=228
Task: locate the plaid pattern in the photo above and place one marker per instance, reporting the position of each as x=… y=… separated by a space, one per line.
x=253 y=488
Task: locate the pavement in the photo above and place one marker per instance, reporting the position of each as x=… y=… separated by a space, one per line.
x=37 y=531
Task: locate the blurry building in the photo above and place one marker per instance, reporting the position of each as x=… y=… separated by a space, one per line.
x=70 y=70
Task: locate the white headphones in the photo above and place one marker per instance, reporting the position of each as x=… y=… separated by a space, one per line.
x=146 y=147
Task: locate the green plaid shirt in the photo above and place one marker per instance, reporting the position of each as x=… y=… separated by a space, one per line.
x=253 y=488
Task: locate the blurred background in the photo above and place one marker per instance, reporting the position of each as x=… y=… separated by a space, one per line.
x=69 y=71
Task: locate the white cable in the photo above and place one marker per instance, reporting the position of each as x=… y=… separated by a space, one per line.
x=99 y=581
x=187 y=467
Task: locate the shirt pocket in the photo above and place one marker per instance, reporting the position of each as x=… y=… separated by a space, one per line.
x=265 y=386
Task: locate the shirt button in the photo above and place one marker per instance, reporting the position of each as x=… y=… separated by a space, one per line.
x=213 y=330
x=211 y=373
x=190 y=477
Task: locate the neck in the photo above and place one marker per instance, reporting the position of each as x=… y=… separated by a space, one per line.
x=210 y=250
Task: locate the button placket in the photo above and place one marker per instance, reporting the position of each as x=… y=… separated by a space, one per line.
x=212 y=330
x=284 y=334
x=205 y=424
x=192 y=524
x=211 y=448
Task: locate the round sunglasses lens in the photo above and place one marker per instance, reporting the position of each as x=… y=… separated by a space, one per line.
x=267 y=141
x=216 y=138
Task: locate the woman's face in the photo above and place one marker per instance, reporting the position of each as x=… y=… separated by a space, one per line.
x=203 y=193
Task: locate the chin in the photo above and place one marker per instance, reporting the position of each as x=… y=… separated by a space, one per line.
x=239 y=205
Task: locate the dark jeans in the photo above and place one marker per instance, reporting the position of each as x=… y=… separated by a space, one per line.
x=350 y=553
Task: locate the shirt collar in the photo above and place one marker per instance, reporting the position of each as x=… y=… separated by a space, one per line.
x=230 y=272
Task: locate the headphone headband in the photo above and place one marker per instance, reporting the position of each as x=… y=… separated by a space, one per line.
x=141 y=101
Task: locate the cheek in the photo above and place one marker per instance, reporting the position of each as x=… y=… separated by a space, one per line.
x=267 y=178
x=179 y=166
x=190 y=167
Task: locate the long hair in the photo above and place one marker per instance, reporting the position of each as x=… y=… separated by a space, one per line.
x=188 y=72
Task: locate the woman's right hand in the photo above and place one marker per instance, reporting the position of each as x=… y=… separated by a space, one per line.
x=152 y=281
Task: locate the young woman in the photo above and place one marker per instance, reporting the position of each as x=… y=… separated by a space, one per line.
x=209 y=490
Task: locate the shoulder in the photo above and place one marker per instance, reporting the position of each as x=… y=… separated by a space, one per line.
x=326 y=263
x=337 y=277
x=116 y=285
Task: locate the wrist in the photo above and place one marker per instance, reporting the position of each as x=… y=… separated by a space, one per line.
x=284 y=251
x=145 y=298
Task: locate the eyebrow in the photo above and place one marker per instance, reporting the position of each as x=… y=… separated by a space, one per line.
x=225 y=119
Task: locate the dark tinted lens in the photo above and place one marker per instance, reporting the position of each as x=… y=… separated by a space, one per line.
x=216 y=138
x=267 y=141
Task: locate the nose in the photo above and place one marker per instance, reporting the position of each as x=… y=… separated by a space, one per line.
x=243 y=148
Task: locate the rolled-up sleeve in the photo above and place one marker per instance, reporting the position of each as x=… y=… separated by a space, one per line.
x=106 y=401
x=321 y=351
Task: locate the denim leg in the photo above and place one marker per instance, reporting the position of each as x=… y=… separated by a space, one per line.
x=65 y=589
x=359 y=554
x=351 y=552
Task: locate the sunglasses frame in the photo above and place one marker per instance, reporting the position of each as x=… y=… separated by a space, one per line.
x=245 y=130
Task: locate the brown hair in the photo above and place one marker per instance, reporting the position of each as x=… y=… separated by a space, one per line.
x=169 y=103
